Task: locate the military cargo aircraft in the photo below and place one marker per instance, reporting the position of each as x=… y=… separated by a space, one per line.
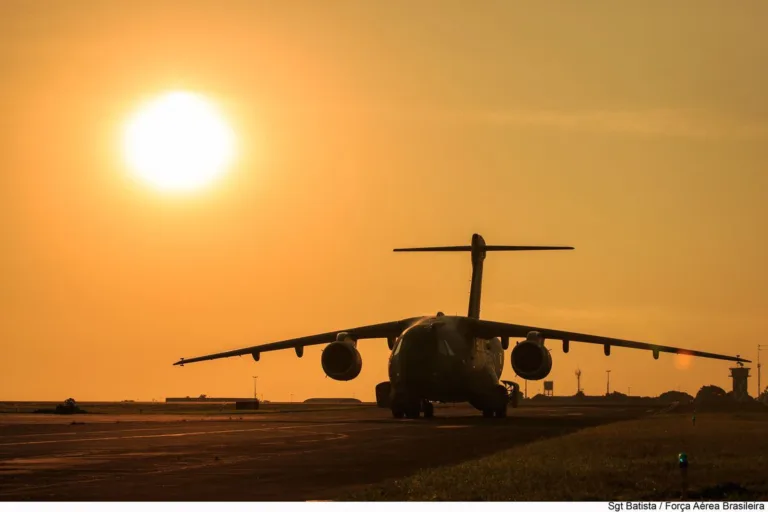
x=445 y=358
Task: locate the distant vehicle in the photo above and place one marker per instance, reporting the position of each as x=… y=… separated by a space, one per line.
x=448 y=358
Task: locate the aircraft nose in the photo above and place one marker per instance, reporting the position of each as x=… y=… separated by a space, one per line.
x=418 y=354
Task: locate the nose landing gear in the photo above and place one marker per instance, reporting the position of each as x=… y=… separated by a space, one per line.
x=412 y=409
x=498 y=404
x=428 y=408
x=501 y=412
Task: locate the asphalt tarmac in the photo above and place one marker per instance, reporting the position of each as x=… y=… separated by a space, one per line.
x=313 y=455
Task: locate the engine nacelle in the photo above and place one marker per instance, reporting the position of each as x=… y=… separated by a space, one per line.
x=341 y=360
x=531 y=359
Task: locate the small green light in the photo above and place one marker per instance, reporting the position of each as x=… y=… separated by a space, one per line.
x=682 y=459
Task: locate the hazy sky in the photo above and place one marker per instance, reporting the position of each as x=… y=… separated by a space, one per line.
x=635 y=131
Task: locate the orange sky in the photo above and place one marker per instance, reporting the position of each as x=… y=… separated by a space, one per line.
x=637 y=133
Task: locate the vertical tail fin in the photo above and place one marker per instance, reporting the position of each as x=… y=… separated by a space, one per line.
x=478 y=250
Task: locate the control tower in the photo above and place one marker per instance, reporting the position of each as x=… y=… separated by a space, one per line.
x=740 y=376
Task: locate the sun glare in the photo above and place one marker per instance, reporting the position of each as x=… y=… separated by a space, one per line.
x=683 y=361
x=179 y=142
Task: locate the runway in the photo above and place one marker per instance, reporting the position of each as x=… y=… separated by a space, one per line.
x=298 y=456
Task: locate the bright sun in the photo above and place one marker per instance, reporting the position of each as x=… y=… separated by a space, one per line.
x=179 y=142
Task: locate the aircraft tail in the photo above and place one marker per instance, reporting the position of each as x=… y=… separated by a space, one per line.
x=478 y=250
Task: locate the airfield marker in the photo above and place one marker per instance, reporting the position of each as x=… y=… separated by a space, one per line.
x=682 y=460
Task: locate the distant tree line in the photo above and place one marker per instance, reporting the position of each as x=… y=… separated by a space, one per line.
x=69 y=406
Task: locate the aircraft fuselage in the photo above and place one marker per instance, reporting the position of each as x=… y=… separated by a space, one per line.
x=437 y=360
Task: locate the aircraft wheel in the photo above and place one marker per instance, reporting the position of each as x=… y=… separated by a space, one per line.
x=501 y=413
x=413 y=412
x=487 y=413
x=397 y=412
x=383 y=395
x=429 y=410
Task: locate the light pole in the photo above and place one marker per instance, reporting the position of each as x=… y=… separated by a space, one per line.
x=255 y=380
x=608 y=383
x=759 y=388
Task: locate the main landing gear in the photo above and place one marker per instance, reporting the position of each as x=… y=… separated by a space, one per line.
x=412 y=409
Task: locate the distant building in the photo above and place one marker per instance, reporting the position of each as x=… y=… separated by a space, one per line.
x=332 y=401
x=209 y=399
x=740 y=375
x=251 y=405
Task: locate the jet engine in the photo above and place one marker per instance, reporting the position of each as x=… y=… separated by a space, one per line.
x=531 y=359
x=341 y=359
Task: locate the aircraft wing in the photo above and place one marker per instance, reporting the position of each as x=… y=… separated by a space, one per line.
x=486 y=329
x=385 y=330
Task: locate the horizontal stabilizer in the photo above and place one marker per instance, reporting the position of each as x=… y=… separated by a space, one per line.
x=468 y=248
x=526 y=248
x=436 y=249
x=478 y=249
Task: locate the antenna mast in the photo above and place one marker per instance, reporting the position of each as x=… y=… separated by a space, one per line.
x=578 y=380
x=759 y=389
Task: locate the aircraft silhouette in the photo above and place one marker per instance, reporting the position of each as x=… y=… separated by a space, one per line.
x=448 y=358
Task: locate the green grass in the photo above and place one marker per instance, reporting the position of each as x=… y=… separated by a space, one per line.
x=633 y=460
